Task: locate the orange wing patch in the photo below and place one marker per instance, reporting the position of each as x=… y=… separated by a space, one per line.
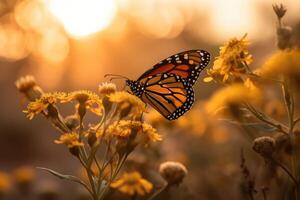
x=158 y=88
x=182 y=74
x=178 y=90
x=161 y=70
x=182 y=67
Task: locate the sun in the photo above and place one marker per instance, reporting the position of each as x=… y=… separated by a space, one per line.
x=83 y=17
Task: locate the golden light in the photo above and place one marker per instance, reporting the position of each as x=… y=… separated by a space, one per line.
x=83 y=17
x=232 y=17
x=13 y=42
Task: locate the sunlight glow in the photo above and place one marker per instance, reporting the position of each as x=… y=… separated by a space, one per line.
x=232 y=17
x=83 y=17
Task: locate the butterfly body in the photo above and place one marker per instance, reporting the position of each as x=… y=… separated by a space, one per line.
x=168 y=86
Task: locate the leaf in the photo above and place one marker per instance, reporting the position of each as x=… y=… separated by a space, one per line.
x=260 y=126
x=65 y=177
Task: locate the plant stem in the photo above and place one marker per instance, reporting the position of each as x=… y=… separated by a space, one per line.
x=290 y=105
x=296 y=121
x=287 y=171
x=86 y=163
x=264 y=191
x=155 y=194
x=279 y=126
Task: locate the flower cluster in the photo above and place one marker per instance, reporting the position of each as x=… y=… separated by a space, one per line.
x=119 y=129
x=232 y=62
x=244 y=95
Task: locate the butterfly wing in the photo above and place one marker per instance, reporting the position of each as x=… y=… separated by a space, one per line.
x=187 y=65
x=169 y=94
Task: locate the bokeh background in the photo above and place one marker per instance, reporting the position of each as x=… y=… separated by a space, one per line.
x=70 y=44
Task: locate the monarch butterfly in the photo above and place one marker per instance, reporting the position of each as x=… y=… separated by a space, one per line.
x=168 y=85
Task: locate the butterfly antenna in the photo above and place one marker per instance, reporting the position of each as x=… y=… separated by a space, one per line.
x=115 y=76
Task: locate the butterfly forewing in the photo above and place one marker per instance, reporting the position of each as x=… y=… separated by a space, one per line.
x=187 y=65
x=169 y=94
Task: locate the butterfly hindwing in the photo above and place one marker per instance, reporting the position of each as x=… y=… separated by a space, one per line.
x=187 y=65
x=169 y=94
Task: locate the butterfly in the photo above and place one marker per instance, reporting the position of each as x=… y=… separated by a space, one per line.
x=168 y=85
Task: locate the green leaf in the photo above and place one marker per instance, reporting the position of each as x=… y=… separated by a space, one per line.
x=65 y=177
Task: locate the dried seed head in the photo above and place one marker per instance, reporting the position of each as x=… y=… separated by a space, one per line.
x=279 y=10
x=25 y=83
x=27 y=86
x=265 y=146
x=172 y=172
x=107 y=88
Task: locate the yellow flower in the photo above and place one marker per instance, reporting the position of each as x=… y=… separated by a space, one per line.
x=24 y=175
x=232 y=61
x=87 y=100
x=70 y=140
x=123 y=129
x=232 y=96
x=151 y=133
x=41 y=104
x=132 y=184
x=5 y=183
x=285 y=63
x=128 y=103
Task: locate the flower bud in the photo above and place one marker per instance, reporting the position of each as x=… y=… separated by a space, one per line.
x=279 y=10
x=265 y=146
x=27 y=86
x=172 y=172
x=107 y=88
